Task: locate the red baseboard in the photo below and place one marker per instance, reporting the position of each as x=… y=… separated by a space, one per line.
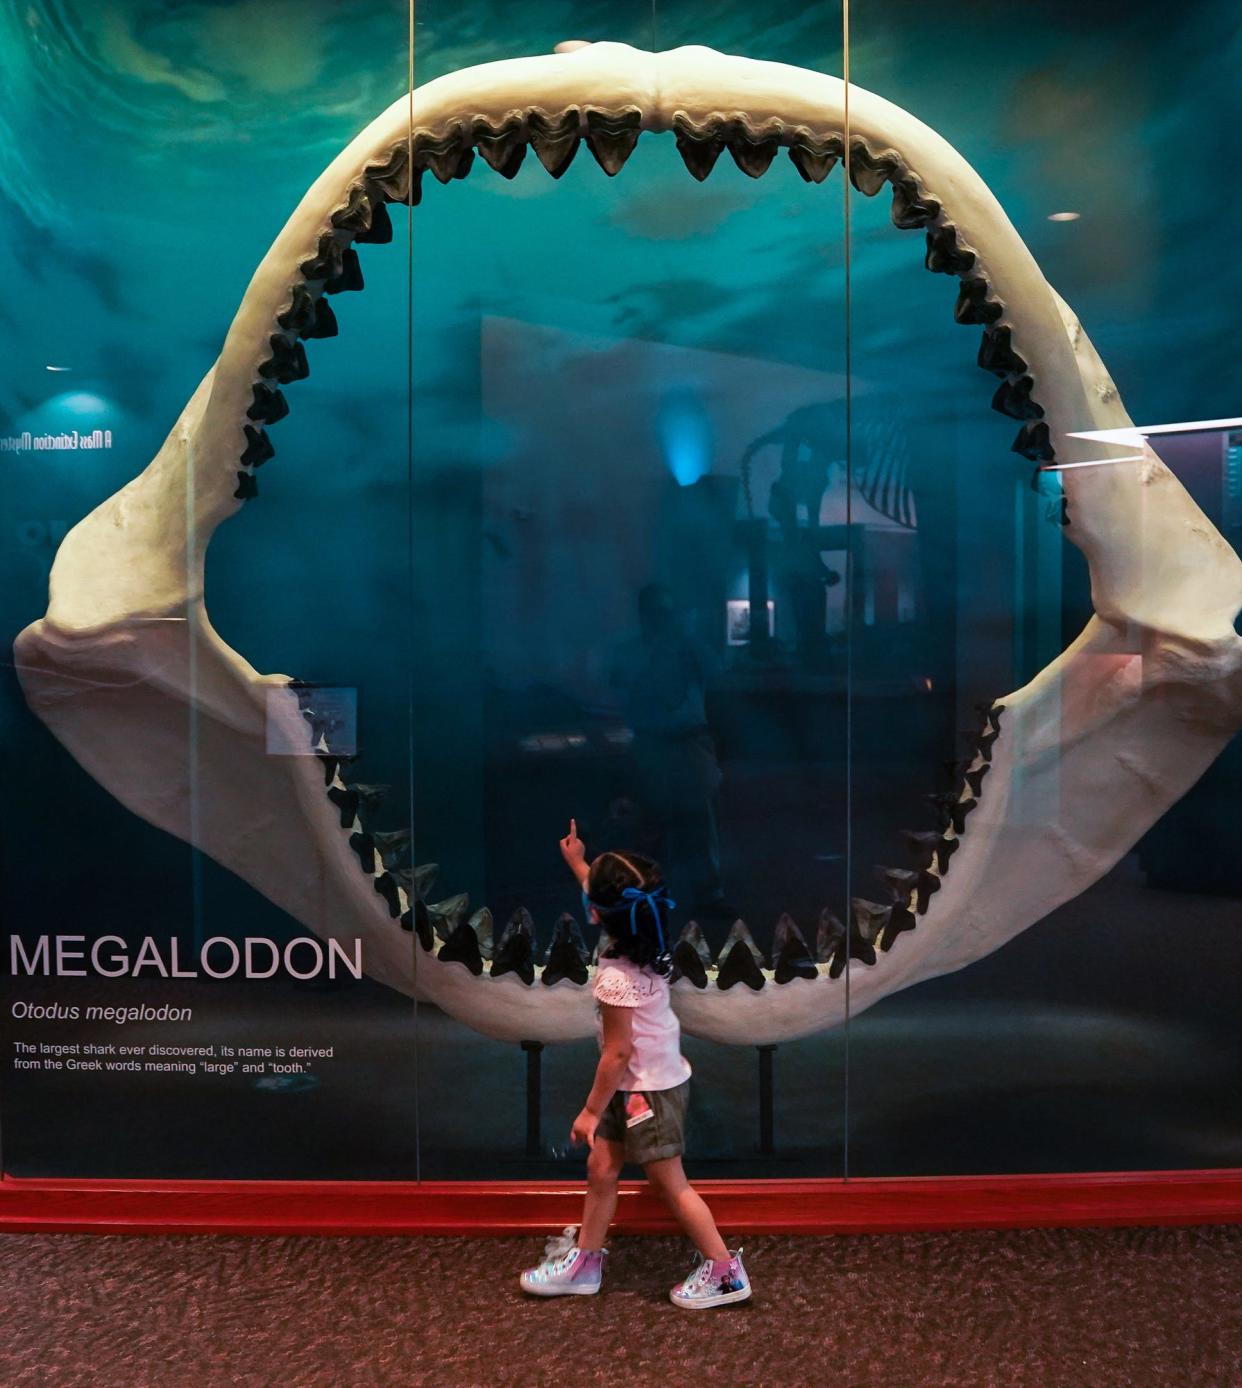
x=513 y=1207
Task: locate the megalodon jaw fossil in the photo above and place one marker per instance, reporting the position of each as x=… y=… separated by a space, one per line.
x=1064 y=776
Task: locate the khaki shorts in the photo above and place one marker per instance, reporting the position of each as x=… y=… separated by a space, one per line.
x=655 y=1138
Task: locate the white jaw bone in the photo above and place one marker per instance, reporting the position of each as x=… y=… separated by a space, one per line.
x=1067 y=773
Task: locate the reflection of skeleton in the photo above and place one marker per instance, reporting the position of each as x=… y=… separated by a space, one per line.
x=1076 y=765
x=811 y=440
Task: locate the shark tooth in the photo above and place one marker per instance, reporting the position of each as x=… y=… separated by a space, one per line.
x=945 y=256
x=387 y=886
x=611 y=137
x=392 y=846
x=870 y=172
x=364 y=846
x=1034 y=441
x=567 y=954
x=738 y=964
x=269 y=404
x=814 y=159
x=418 y=919
x=996 y=353
x=258 y=447
x=448 y=914
x=828 y=935
x=752 y=154
x=462 y=947
x=790 y=956
x=912 y=208
x=482 y=925
x=900 y=919
x=515 y=950
x=1013 y=398
x=555 y=138
x=691 y=956
x=973 y=305
x=350 y=277
x=699 y=146
x=974 y=779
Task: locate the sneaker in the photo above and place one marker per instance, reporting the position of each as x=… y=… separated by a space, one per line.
x=705 y=1287
x=566 y=1270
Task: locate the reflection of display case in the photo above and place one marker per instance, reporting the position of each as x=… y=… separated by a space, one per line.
x=686 y=391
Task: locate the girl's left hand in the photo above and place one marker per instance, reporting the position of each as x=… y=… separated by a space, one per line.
x=583 y=1130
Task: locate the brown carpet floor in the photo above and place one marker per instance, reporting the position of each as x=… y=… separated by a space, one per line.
x=1088 y=1309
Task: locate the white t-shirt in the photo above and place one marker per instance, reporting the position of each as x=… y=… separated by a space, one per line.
x=656 y=1061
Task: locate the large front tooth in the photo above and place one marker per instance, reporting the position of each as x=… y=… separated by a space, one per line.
x=752 y=151
x=814 y=158
x=692 y=956
x=502 y=147
x=699 y=145
x=515 y=952
x=567 y=954
x=740 y=960
x=611 y=137
x=555 y=138
x=790 y=956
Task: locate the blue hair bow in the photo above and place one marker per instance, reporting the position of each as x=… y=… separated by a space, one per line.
x=658 y=899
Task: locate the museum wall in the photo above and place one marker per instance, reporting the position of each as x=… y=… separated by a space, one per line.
x=547 y=467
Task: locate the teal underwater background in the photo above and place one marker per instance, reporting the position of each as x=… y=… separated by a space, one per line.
x=596 y=372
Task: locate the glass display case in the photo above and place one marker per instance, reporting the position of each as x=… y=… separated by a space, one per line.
x=601 y=435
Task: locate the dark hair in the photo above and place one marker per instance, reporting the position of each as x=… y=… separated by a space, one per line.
x=638 y=929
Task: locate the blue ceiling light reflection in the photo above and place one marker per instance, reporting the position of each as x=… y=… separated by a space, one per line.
x=685 y=435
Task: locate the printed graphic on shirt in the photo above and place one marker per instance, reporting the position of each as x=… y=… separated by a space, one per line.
x=637 y=1110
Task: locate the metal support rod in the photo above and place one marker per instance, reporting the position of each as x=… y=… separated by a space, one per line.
x=534 y=1098
x=766 y=1145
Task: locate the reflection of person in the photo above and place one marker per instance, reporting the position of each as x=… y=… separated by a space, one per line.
x=637 y=1105
x=662 y=676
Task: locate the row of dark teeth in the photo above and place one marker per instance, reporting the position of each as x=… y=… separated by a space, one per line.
x=611 y=137
x=448 y=930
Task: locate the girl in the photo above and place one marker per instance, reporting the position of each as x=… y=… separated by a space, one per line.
x=637 y=1105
